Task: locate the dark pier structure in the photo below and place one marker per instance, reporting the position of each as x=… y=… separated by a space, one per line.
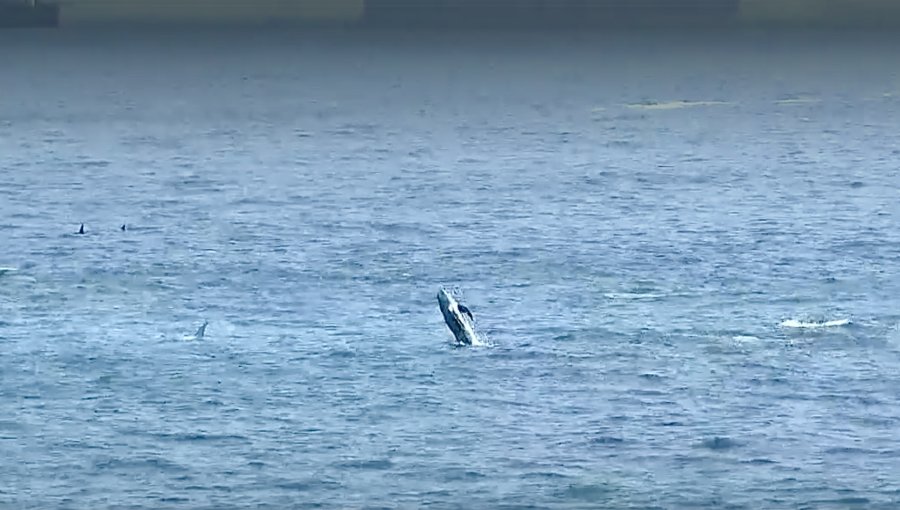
x=456 y=14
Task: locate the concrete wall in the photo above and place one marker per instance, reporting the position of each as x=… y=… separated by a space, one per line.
x=210 y=12
x=549 y=13
x=455 y=13
x=23 y=15
x=821 y=13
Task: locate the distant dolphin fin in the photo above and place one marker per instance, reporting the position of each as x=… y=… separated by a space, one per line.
x=202 y=330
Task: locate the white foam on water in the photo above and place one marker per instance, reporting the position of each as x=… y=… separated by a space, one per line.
x=794 y=323
x=674 y=105
x=632 y=295
x=798 y=100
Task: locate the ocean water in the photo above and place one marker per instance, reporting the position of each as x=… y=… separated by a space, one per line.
x=682 y=248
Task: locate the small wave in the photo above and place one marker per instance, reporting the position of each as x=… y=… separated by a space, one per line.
x=759 y=461
x=370 y=464
x=295 y=486
x=173 y=499
x=673 y=105
x=545 y=475
x=849 y=450
x=848 y=501
x=203 y=437
x=594 y=492
x=632 y=295
x=794 y=323
x=607 y=440
x=798 y=100
x=720 y=443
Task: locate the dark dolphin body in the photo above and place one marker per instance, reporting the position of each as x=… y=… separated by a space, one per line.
x=458 y=318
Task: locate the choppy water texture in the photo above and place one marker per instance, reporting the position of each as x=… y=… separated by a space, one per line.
x=653 y=230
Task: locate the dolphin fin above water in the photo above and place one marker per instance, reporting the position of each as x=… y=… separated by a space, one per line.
x=201 y=332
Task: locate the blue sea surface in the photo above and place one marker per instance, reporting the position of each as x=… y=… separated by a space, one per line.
x=653 y=231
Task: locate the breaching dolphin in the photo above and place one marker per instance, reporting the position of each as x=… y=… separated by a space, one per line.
x=458 y=318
